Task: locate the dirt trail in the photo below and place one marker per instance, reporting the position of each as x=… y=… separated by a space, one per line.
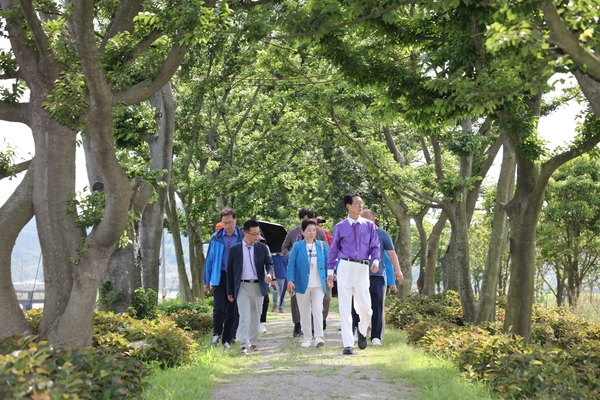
x=284 y=370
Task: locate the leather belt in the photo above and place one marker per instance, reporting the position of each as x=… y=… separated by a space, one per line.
x=366 y=262
x=250 y=280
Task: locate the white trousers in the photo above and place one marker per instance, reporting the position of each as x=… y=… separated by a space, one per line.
x=249 y=301
x=311 y=302
x=353 y=280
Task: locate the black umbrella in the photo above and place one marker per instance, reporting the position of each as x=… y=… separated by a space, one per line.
x=274 y=235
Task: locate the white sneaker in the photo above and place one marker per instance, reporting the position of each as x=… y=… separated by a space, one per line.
x=215 y=340
x=306 y=343
x=376 y=342
x=261 y=328
x=319 y=342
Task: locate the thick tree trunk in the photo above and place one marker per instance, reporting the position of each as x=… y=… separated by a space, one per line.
x=123 y=272
x=450 y=261
x=14 y=215
x=486 y=307
x=467 y=298
x=60 y=238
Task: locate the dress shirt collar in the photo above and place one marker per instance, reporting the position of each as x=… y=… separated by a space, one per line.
x=352 y=221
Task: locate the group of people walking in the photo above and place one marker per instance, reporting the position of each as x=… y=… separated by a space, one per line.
x=240 y=269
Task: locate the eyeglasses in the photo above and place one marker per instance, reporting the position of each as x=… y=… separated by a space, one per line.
x=253 y=234
x=358 y=203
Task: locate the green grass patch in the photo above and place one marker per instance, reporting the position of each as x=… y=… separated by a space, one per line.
x=432 y=377
x=195 y=381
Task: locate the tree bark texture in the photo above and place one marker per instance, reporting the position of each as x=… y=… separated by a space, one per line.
x=14 y=215
x=486 y=307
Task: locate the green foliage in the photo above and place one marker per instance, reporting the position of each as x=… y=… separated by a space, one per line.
x=7 y=159
x=143 y=304
x=89 y=209
x=33 y=318
x=158 y=340
x=444 y=306
x=33 y=369
x=561 y=362
x=109 y=301
x=195 y=317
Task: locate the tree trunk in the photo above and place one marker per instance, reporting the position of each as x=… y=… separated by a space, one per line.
x=433 y=245
x=161 y=150
x=486 y=307
x=422 y=250
x=124 y=273
x=14 y=215
x=185 y=291
x=403 y=245
x=467 y=298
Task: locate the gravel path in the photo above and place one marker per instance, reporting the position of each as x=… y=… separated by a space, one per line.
x=281 y=369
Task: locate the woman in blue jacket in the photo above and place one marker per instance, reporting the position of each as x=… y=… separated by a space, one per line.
x=307 y=277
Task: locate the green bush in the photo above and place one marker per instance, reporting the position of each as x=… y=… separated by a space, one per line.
x=143 y=304
x=195 y=317
x=417 y=308
x=33 y=318
x=172 y=306
x=158 y=340
x=34 y=369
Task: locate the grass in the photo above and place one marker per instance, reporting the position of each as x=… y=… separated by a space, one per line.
x=195 y=381
x=428 y=377
x=432 y=377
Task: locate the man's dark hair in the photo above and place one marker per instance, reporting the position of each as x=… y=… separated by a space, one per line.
x=251 y=223
x=308 y=222
x=228 y=211
x=348 y=198
x=307 y=212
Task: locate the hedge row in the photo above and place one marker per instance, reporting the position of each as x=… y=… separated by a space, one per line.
x=562 y=361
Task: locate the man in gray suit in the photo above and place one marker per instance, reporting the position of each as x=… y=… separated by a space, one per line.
x=294 y=235
x=249 y=273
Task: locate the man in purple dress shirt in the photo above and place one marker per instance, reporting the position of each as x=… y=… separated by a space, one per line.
x=354 y=243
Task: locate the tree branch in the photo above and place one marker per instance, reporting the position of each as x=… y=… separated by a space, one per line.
x=374 y=14
x=561 y=36
x=16 y=169
x=15 y=112
x=147 y=88
x=123 y=21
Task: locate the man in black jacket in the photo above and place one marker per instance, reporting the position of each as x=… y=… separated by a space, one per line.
x=249 y=273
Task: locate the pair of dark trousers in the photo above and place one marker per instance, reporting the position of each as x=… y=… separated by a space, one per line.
x=225 y=313
x=377 y=293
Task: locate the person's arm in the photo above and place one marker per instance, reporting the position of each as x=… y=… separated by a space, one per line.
x=291 y=270
x=396 y=263
x=268 y=265
x=230 y=280
x=374 y=249
x=208 y=266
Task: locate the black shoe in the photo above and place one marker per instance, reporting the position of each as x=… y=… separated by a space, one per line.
x=297 y=330
x=324 y=324
x=362 y=341
x=347 y=350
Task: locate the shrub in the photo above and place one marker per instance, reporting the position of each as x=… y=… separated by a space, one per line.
x=439 y=307
x=195 y=317
x=158 y=340
x=33 y=369
x=33 y=318
x=143 y=304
